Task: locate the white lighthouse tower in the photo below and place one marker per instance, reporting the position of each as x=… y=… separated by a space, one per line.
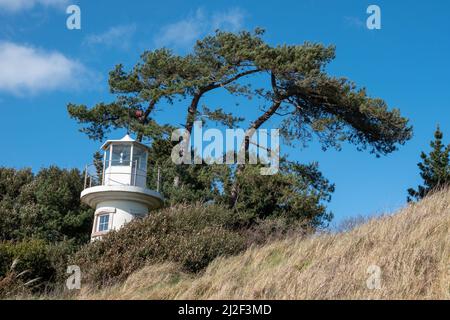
x=120 y=194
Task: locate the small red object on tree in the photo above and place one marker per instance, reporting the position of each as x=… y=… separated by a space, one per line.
x=138 y=113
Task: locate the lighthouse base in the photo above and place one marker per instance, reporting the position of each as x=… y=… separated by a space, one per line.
x=117 y=205
x=119 y=213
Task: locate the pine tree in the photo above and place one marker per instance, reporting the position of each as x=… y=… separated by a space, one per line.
x=291 y=83
x=434 y=168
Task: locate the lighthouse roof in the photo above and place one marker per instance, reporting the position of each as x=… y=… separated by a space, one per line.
x=125 y=140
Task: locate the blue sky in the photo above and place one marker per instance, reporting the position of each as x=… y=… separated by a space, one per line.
x=44 y=66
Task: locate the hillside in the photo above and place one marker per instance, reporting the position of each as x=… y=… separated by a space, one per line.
x=411 y=248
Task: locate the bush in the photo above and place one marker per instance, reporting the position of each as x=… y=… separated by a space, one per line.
x=296 y=192
x=31 y=256
x=45 y=206
x=34 y=261
x=189 y=235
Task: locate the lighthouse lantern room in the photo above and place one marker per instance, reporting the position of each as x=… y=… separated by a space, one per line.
x=119 y=194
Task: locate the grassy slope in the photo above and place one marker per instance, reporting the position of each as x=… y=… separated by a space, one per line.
x=411 y=248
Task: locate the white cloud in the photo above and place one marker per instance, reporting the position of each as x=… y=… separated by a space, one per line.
x=118 y=36
x=231 y=20
x=184 y=33
x=28 y=70
x=18 y=5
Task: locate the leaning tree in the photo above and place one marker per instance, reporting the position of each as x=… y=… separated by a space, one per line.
x=298 y=94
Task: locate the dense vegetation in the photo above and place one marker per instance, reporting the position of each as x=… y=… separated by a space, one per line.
x=211 y=210
x=44 y=227
x=411 y=248
x=297 y=191
x=44 y=206
x=189 y=235
x=42 y=221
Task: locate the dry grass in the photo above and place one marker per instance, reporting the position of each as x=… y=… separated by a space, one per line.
x=411 y=248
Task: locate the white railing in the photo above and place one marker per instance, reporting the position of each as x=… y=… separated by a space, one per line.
x=94 y=176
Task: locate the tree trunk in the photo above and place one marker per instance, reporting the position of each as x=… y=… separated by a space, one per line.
x=192 y=110
x=255 y=126
x=144 y=120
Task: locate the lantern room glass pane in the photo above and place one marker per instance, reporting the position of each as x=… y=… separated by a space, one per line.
x=140 y=157
x=107 y=154
x=121 y=155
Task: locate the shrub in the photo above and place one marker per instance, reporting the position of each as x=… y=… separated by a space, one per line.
x=34 y=261
x=190 y=235
x=296 y=192
x=31 y=256
x=45 y=206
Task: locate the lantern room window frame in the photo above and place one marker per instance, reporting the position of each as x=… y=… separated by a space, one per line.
x=141 y=160
x=107 y=155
